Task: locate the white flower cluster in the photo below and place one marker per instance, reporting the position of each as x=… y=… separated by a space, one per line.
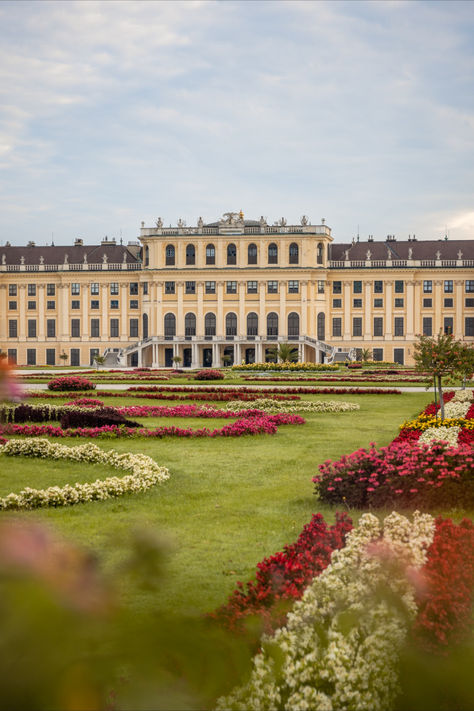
x=144 y=473
x=440 y=434
x=463 y=396
x=340 y=648
x=456 y=408
x=268 y=405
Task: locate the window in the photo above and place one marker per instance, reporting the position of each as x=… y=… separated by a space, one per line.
x=399 y=355
x=51 y=289
x=31 y=289
x=337 y=287
x=114 y=288
x=377 y=354
x=448 y=324
x=133 y=288
x=378 y=303
x=75 y=328
x=210 y=287
x=427 y=303
x=427 y=326
x=31 y=328
x=427 y=286
x=337 y=303
x=448 y=303
x=231 y=287
x=190 y=325
x=31 y=305
x=252 y=254
x=293 y=253
x=190 y=254
x=134 y=303
x=50 y=305
x=399 y=303
x=357 y=287
x=399 y=287
x=337 y=326
x=95 y=289
x=293 y=325
x=95 y=328
x=114 y=327
x=470 y=285
x=252 y=287
x=12 y=290
x=272 y=253
x=133 y=328
x=357 y=326
x=114 y=304
x=93 y=353
x=170 y=325
x=357 y=303
x=170 y=255
x=469 y=326
x=12 y=305
x=13 y=328
x=272 y=287
x=210 y=324
x=378 y=326
x=231 y=325
x=50 y=356
x=448 y=286
x=12 y=355
x=31 y=356
x=75 y=304
x=190 y=287
x=169 y=287
x=75 y=289
x=469 y=303
x=319 y=253
x=378 y=287
x=272 y=325
x=231 y=254
x=399 y=326
x=321 y=326
x=293 y=287
x=252 y=324
x=51 y=328
x=75 y=356
x=320 y=287
x=94 y=304
x=145 y=288
x=210 y=254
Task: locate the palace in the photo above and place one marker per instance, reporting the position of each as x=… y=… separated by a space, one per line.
x=229 y=291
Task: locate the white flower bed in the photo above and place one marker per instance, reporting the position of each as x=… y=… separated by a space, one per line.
x=340 y=648
x=144 y=473
x=440 y=434
x=457 y=408
x=268 y=405
x=463 y=396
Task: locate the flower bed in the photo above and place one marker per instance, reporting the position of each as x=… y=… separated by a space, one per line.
x=302 y=406
x=209 y=374
x=144 y=473
x=291 y=367
x=240 y=392
x=70 y=383
x=335 y=379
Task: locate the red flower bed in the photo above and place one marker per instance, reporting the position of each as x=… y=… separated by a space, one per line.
x=68 y=383
x=209 y=374
x=85 y=402
x=183 y=411
x=193 y=395
x=446 y=596
x=284 y=576
x=238 y=392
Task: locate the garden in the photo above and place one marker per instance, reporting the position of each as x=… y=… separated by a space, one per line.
x=152 y=535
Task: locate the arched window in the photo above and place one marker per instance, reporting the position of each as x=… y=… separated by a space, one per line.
x=231 y=325
x=147 y=256
x=170 y=255
x=210 y=325
x=231 y=254
x=190 y=254
x=210 y=254
x=145 y=326
x=293 y=253
x=320 y=251
x=170 y=325
x=252 y=254
x=272 y=253
x=272 y=325
x=190 y=325
x=252 y=324
x=321 y=326
x=293 y=325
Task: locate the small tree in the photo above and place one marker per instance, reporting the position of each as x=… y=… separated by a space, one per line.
x=177 y=360
x=226 y=358
x=440 y=356
x=63 y=356
x=285 y=353
x=467 y=364
x=365 y=355
x=99 y=360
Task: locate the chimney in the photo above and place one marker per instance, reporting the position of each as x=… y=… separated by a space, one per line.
x=31 y=244
x=78 y=242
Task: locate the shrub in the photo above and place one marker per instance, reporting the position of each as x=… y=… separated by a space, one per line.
x=94 y=418
x=209 y=374
x=70 y=383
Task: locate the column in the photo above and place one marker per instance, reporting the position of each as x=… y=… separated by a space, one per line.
x=64 y=312
x=22 y=312
x=220 y=327
x=367 y=312
x=437 y=310
x=85 y=290
x=123 y=314
x=200 y=309
x=388 y=325
x=3 y=310
x=262 y=327
x=180 y=309
x=159 y=328
x=237 y=354
x=282 y=325
x=416 y=306
x=105 y=331
x=458 y=321
x=304 y=309
x=241 y=325
x=347 y=311
x=41 y=312
x=259 y=352
x=410 y=311
x=194 y=355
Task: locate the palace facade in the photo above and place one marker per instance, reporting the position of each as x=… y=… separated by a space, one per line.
x=228 y=292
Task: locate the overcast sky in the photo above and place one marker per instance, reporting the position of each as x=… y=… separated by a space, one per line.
x=116 y=112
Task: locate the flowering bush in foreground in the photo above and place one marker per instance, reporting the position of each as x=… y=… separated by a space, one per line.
x=209 y=374
x=144 y=473
x=341 y=645
x=71 y=382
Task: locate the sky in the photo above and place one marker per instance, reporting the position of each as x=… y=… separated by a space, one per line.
x=115 y=112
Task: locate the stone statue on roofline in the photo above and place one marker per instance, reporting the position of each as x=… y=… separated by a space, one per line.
x=304 y=220
x=159 y=223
